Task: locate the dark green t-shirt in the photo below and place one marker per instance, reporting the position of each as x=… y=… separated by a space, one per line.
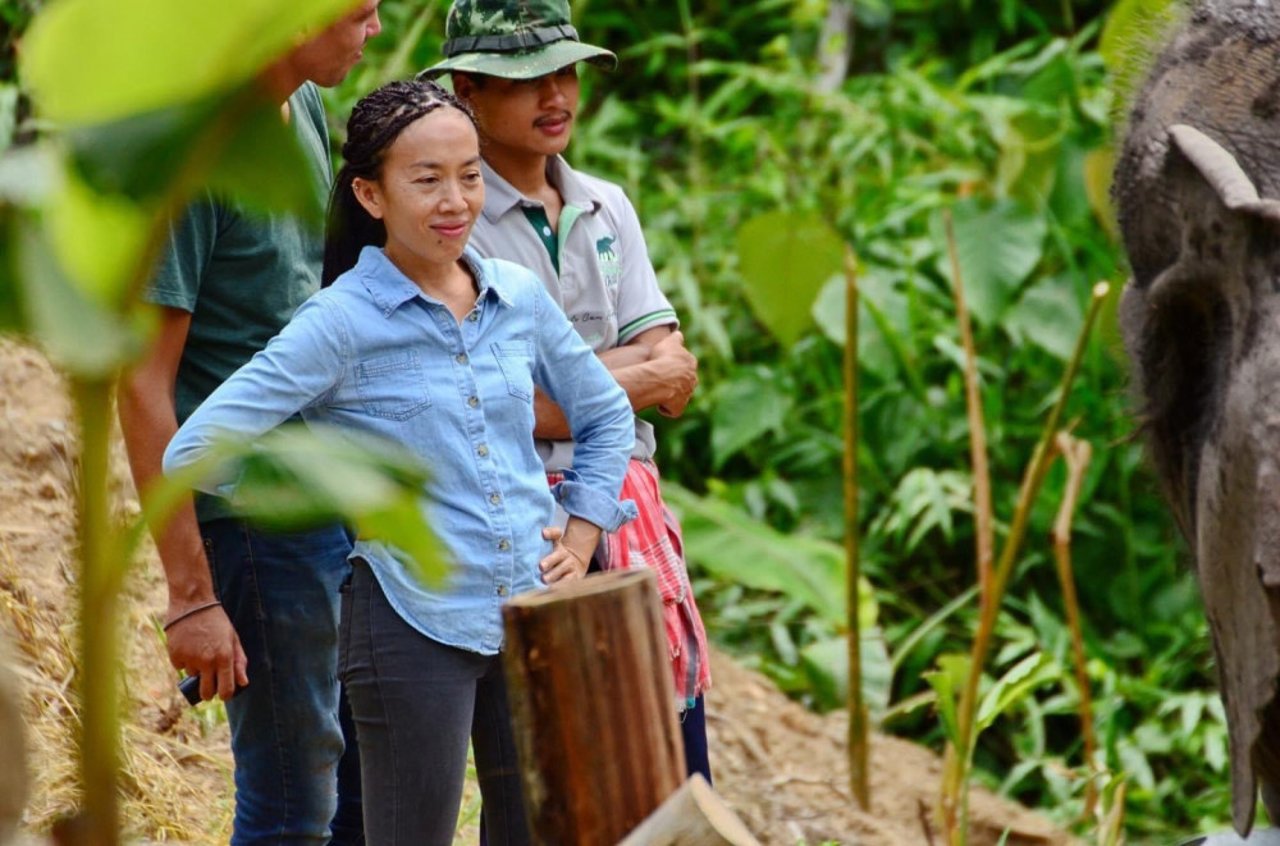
x=241 y=275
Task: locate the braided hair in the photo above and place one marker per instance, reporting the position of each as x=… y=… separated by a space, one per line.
x=376 y=122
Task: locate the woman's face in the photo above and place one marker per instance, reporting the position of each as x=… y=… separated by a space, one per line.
x=429 y=192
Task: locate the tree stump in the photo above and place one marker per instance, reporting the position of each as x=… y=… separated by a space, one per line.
x=593 y=707
x=692 y=816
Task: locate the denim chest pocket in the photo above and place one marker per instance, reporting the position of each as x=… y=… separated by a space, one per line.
x=393 y=386
x=515 y=359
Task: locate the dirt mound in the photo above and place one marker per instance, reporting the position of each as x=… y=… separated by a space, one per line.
x=779 y=766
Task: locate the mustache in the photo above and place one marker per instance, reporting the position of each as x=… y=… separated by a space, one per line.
x=562 y=115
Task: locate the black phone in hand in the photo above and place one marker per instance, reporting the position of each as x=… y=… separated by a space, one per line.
x=190 y=688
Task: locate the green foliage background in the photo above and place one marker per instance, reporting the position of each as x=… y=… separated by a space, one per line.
x=1002 y=111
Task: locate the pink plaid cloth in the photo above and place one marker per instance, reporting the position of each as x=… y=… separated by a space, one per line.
x=653 y=540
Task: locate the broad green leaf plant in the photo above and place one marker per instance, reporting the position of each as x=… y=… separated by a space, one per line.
x=148 y=102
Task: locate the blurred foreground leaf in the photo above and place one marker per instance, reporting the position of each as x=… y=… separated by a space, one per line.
x=298 y=476
x=83 y=71
x=79 y=335
x=235 y=144
x=97 y=238
x=10 y=309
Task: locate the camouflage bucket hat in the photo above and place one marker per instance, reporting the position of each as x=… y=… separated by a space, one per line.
x=515 y=39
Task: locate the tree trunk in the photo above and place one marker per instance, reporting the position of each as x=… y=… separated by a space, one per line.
x=593 y=706
x=692 y=816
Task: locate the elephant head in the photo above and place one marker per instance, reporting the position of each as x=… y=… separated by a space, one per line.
x=1197 y=190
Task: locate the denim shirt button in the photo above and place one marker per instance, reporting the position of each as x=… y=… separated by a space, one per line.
x=473 y=316
x=461 y=358
x=482 y=451
x=495 y=498
x=502 y=590
x=504 y=545
x=473 y=401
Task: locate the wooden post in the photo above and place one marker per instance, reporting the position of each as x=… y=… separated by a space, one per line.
x=593 y=706
x=692 y=816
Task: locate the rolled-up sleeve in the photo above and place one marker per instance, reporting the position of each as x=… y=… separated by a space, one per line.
x=299 y=366
x=599 y=415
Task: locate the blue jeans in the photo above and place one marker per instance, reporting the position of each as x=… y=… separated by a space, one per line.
x=416 y=702
x=296 y=771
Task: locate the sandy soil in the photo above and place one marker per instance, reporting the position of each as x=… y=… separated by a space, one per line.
x=780 y=767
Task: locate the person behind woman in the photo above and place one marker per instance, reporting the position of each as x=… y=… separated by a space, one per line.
x=425 y=343
x=516 y=66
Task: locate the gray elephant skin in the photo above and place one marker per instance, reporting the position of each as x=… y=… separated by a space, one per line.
x=1197 y=193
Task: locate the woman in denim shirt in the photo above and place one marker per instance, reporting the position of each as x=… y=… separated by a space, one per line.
x=427 y=344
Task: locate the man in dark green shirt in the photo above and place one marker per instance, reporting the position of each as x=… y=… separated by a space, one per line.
x=249 y=609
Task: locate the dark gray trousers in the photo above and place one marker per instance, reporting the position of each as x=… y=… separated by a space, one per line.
x=416 y=702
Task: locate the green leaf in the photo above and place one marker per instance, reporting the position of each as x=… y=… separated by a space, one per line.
x=8 y=113
x=299 y=476
x=138 y=155
x=10 y=307
x=827 y=664
x=746 y=406
x=29 y=175
x=1136 y=765
x=234 y=144
x=77 y=333
x=94 y=61
x=1215 y=750
x=946 y=681
x=98 y=239
x=1023 y=678
x=1049 y=315
x=884 y=321
x=1099 y=164
x=999 y=244
x=925 y=500
x=785 y=258
x=730 y=545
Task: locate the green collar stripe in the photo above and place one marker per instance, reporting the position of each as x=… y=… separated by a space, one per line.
x=537 y=217
x=568 y=216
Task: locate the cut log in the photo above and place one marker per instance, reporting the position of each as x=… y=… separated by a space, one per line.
x=692 y=816
x=593 y=707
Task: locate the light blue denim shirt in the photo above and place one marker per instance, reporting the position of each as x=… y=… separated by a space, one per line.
x=373 y=354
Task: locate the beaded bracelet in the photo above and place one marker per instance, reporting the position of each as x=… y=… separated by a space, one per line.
x=189 y=612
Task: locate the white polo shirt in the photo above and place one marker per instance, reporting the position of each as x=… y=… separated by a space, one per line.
x=606 y=284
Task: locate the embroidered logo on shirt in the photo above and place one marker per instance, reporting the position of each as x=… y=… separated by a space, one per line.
x=610 y=267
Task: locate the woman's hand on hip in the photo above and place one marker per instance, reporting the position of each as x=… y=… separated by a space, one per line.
x=563 y=564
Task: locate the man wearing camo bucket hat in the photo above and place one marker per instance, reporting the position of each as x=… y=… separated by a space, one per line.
x=514 y=39
x=514 y=62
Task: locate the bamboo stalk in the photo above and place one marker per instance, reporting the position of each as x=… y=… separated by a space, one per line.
x=984 y=536
x=1076 y=453
x=955 y=798
x=859 y=781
